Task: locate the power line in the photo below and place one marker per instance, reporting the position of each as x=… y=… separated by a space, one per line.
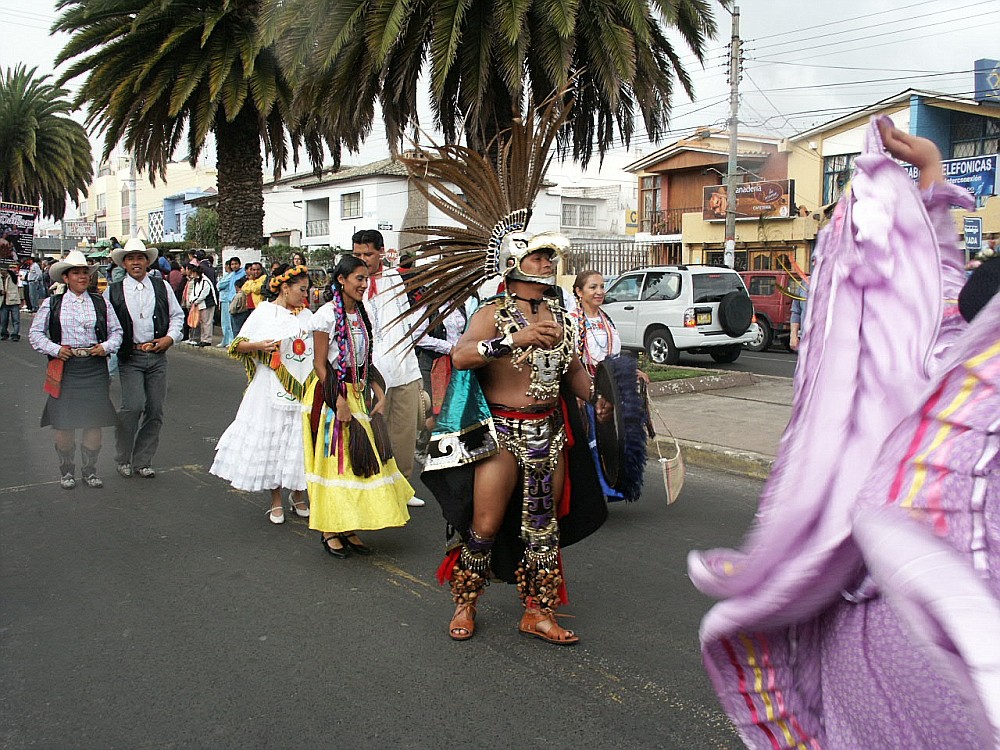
x=938 y=24
x=840 y=67
x=773 y=106
x=861 y=28
x=853 y=19
x=919 y=38
x=869 y=81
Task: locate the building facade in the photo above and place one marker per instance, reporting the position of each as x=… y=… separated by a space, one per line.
x=683 y=201
x=109 y=197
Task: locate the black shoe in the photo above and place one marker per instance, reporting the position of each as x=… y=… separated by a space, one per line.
x=342 y=552
x=15 y=338
x=358 y=546
x=4 y=337
x=203 y=343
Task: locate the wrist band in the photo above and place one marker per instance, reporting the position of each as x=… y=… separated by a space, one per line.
x=496 y=348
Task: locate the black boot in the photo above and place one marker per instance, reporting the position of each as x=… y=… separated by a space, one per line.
x=67 y=468
x=88 y=458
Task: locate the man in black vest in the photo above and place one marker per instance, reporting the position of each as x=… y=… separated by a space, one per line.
x=151 y=321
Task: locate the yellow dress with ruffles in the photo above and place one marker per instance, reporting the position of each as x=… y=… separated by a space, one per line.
x=339 y=499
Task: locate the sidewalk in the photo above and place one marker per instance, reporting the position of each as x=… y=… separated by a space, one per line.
x=725 y=420
x=731 y=426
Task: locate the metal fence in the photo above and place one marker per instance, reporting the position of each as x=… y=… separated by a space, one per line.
x=614 y=257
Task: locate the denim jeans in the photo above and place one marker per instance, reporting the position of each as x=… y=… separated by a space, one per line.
x=227 y=324
x=36 y=293
x=10 y=315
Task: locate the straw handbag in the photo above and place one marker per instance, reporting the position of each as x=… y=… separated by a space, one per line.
x=672 y=466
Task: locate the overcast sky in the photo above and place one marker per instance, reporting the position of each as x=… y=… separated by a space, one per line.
x=806 y=62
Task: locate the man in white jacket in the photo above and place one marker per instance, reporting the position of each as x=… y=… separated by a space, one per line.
x=385 y=301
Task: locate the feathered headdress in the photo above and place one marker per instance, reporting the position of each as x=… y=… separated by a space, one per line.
x=487 y=199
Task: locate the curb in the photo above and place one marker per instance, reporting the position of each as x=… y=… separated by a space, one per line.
x=715 y=380
x=211 y=351
x=743 y=463
x=731 y=460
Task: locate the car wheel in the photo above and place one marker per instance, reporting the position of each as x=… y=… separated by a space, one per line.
x=764 y=336
x=736 y=313
x=660 y=347
x=727 y=354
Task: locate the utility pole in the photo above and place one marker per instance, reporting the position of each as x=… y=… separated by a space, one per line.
x=735 y=58
x=134 y=199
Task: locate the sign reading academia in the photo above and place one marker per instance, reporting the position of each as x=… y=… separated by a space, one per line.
x=768 y=199
x=17 y=226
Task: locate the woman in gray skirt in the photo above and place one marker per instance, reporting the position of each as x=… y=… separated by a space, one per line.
x=80 y=330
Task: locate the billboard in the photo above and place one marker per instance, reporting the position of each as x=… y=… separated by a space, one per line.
x=768 y=199
x=977 y=174
x=17 y=226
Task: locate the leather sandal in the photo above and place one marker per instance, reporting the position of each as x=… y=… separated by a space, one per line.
x=463 y=623
x=554 y=633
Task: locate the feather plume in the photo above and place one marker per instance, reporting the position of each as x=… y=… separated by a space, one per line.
x=485 y=199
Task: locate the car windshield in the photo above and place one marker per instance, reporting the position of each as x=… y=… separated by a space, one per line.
x=712 y=287
x=626 y=289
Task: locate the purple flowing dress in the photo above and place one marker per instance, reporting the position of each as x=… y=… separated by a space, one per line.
x=864 y=608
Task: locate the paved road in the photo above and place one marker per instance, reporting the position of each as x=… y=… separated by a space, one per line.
x=168 y=613
x=775 y=361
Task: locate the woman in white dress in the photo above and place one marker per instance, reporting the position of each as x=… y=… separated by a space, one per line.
x=262 y=449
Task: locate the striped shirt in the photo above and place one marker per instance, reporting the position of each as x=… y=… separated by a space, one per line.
x=78 y=318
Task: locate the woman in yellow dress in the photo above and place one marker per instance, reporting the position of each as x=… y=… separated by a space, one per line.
x=353 y=480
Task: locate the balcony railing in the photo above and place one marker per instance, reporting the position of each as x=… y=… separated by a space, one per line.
x=665 y=222
x=318 y=228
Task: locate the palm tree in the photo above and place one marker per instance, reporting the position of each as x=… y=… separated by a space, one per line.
x=161 y=71
x=44 y=155
x=486 y=59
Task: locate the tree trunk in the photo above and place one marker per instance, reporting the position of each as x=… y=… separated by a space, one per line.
x=240 y=180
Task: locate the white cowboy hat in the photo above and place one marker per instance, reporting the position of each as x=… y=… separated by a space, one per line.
x=134 y=245
x=75 y=259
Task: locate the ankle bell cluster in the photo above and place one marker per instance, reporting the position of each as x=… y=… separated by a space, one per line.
x=539 y=579
x=471 y=575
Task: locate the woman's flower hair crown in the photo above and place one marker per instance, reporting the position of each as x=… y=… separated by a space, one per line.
x=275 y=283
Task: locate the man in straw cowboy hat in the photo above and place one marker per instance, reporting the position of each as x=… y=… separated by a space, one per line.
x=78 y=330
x=152 y=321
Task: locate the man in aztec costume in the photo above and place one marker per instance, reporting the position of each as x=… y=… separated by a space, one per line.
x=863 y=611
x=503 y=460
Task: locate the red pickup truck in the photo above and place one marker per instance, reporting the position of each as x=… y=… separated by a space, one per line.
x=771 y=308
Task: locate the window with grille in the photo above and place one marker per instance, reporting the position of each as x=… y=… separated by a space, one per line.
x=837 y=171
x=974 y=135
x=580 y=215
x=350 y=206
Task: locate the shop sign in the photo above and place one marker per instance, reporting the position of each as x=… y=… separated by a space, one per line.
x=972 y=227
x=987 y=80
x=768 y=199
x=79 y=228
x=631 y=221
x=977 y=174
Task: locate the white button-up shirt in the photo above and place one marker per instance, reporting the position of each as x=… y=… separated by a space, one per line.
x=397 y=364
x=140 y=299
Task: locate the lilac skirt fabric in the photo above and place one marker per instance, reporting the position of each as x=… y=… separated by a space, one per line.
x=828 y=633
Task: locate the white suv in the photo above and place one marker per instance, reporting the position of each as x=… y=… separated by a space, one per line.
x=665 y=310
